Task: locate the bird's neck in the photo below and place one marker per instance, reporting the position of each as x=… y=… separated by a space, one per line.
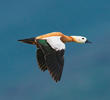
x=66 y=39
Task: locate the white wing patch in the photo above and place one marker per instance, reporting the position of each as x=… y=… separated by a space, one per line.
x=55 y=42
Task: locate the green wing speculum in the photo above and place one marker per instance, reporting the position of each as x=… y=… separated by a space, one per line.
x=44 y=46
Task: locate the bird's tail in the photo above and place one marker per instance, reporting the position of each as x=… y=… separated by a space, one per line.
x=29 y=41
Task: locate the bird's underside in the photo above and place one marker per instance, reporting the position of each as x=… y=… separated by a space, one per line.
x=50 y=59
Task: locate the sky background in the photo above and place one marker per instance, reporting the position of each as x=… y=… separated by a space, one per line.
x=86 y=73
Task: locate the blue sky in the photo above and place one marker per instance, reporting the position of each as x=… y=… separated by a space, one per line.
x=86 y=74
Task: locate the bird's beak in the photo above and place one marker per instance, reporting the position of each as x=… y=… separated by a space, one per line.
x=88 y=41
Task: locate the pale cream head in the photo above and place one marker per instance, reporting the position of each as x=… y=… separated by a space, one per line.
x=79 y=39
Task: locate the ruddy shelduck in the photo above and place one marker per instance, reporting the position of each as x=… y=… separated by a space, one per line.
x=50 y=52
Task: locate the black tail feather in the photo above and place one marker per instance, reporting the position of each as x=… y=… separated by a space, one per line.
x=29 y=40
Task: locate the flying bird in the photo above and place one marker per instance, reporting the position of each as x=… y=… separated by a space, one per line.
x=50 y=51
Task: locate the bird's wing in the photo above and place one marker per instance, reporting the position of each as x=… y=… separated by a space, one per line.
x=41 y=60
x=53 y=50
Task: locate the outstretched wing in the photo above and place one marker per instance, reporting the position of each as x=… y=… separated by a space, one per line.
x=53 y=51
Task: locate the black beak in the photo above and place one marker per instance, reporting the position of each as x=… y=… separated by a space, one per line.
x=87 y=41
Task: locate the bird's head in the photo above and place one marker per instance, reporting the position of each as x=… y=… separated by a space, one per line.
x=80 y=39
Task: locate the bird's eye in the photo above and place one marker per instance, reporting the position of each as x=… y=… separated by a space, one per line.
x=83 y=38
